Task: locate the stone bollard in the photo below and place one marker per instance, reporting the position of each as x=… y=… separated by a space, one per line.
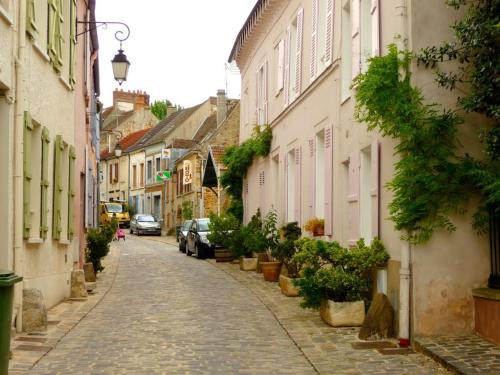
x=34 y=311
x=78 y=288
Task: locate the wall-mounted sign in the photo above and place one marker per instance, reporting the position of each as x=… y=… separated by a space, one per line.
x=188 y=172
x=163 y=176
x=166 y=153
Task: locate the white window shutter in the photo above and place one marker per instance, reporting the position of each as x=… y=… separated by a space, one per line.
x=298 y=178
x=281 y=63
x=314 y=38
x=355 y=38
x=257 y=99
x=329 y=32
x=287 y=68
x=266 y=94
x=298 y=52
x=312 y=178
x=375 y=28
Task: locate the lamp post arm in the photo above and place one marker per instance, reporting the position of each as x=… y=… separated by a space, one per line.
x=120 y=35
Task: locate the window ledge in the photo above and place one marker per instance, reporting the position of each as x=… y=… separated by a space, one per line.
x=41 y=52
x=6 y=16
x=65 y=242
x=33 y=240
x=345 y=100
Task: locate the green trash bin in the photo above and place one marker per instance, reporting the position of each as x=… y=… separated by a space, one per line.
x=7 y=281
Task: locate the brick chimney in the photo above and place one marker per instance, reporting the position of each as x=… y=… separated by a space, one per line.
x=221 y=106
x=130 y=100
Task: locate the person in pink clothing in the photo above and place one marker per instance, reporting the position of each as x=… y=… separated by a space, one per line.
x=120 y=233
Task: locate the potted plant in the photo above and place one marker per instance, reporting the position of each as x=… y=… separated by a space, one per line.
x=336 y=279
x=223 y=230
x=316 y=226
x=254 y=242
x=271 y=269
x=285 y=251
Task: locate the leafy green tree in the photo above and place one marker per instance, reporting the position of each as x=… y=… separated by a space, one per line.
x=187 y=210
x=159 y=108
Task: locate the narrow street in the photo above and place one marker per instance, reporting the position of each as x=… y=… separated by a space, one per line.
x=171 y=314
x=167 y=313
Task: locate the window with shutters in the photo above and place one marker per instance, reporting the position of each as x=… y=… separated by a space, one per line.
x=149 y=171
x=261 y=94
x=141 y=170
x=279 y=53
x=116 y=175
x=55 y=32
x=290 y=183
x=72 y=42
x=365 y=195
x=44 y=184
x=292 y=71
x=365 y=33
x=65 y=193
x=319 y=37
x=158 y=164
x=71 y=191
x=110 y=169
x=31 y=26
x=319 y=194
x=346 y=68
x=276 y=188
x=34 y=145
x=134 y=176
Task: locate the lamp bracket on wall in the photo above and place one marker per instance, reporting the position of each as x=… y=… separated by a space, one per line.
x=120 y=35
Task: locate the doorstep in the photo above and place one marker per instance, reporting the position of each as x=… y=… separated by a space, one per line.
x=462 y=354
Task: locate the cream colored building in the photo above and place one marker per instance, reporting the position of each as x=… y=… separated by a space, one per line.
x=38 y=77
x=297 y=60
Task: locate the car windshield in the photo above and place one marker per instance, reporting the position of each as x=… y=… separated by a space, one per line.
x=146 y=218
x=114 y=208
x=203 y=225
x=187 y=224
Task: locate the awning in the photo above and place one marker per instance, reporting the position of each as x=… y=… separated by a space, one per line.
x=210 y=173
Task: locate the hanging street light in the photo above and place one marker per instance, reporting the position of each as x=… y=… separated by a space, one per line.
x=120 y=64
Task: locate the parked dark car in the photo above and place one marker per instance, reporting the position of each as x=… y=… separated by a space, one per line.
x=182 y=235
x=197 y=241
x=144 y=224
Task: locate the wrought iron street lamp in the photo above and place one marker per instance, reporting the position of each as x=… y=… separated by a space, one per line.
x=119 y=63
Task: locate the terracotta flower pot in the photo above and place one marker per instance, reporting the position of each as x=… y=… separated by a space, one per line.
x=271 y=270
x=318 y=231
x=287 y=287
x=261 y=257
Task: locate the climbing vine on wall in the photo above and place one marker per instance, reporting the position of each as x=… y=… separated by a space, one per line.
x=238 y=159
x=428 y=184
x=475 y=51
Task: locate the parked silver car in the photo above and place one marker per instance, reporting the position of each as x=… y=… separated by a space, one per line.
x=144 y=224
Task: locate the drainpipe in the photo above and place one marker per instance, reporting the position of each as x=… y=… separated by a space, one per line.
x=20 y=106
x=404 y=296
x=405 y=271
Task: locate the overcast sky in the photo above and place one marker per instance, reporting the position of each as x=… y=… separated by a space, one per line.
x=177 y=49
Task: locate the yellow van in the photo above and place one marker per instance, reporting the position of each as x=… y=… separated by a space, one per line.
x=110 y=210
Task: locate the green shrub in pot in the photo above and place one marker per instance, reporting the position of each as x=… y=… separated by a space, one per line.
x=332 y=272
x=286 y=248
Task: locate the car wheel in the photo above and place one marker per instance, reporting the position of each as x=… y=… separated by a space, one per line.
x=138 y=232
x=199 y=253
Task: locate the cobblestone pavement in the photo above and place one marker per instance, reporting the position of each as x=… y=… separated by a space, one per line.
x=467 y=354
x=171 y=314
x=330 y=350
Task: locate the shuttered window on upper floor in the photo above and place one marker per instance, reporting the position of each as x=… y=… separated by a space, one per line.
x=322 y=22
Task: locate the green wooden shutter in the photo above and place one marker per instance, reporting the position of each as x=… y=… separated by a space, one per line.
x=55 y=38
x=57 y=219
x=30 y=17
x=72 y=42
x=28 y=129
x=71 y=191
x=44 y=184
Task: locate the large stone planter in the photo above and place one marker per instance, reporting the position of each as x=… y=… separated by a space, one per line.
x=271 y=270
x=287 y=287
x=342 y=314
x=248 y=264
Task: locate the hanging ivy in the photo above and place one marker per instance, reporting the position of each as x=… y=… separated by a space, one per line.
x=476 y=53
x=238 y=159
x=428 y=184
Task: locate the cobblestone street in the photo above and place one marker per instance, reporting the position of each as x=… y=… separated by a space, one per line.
x=167 y=313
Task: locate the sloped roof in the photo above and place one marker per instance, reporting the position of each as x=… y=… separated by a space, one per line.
x=126 y=143
x=146 y=139
x=114 y=119
x=208 y=125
